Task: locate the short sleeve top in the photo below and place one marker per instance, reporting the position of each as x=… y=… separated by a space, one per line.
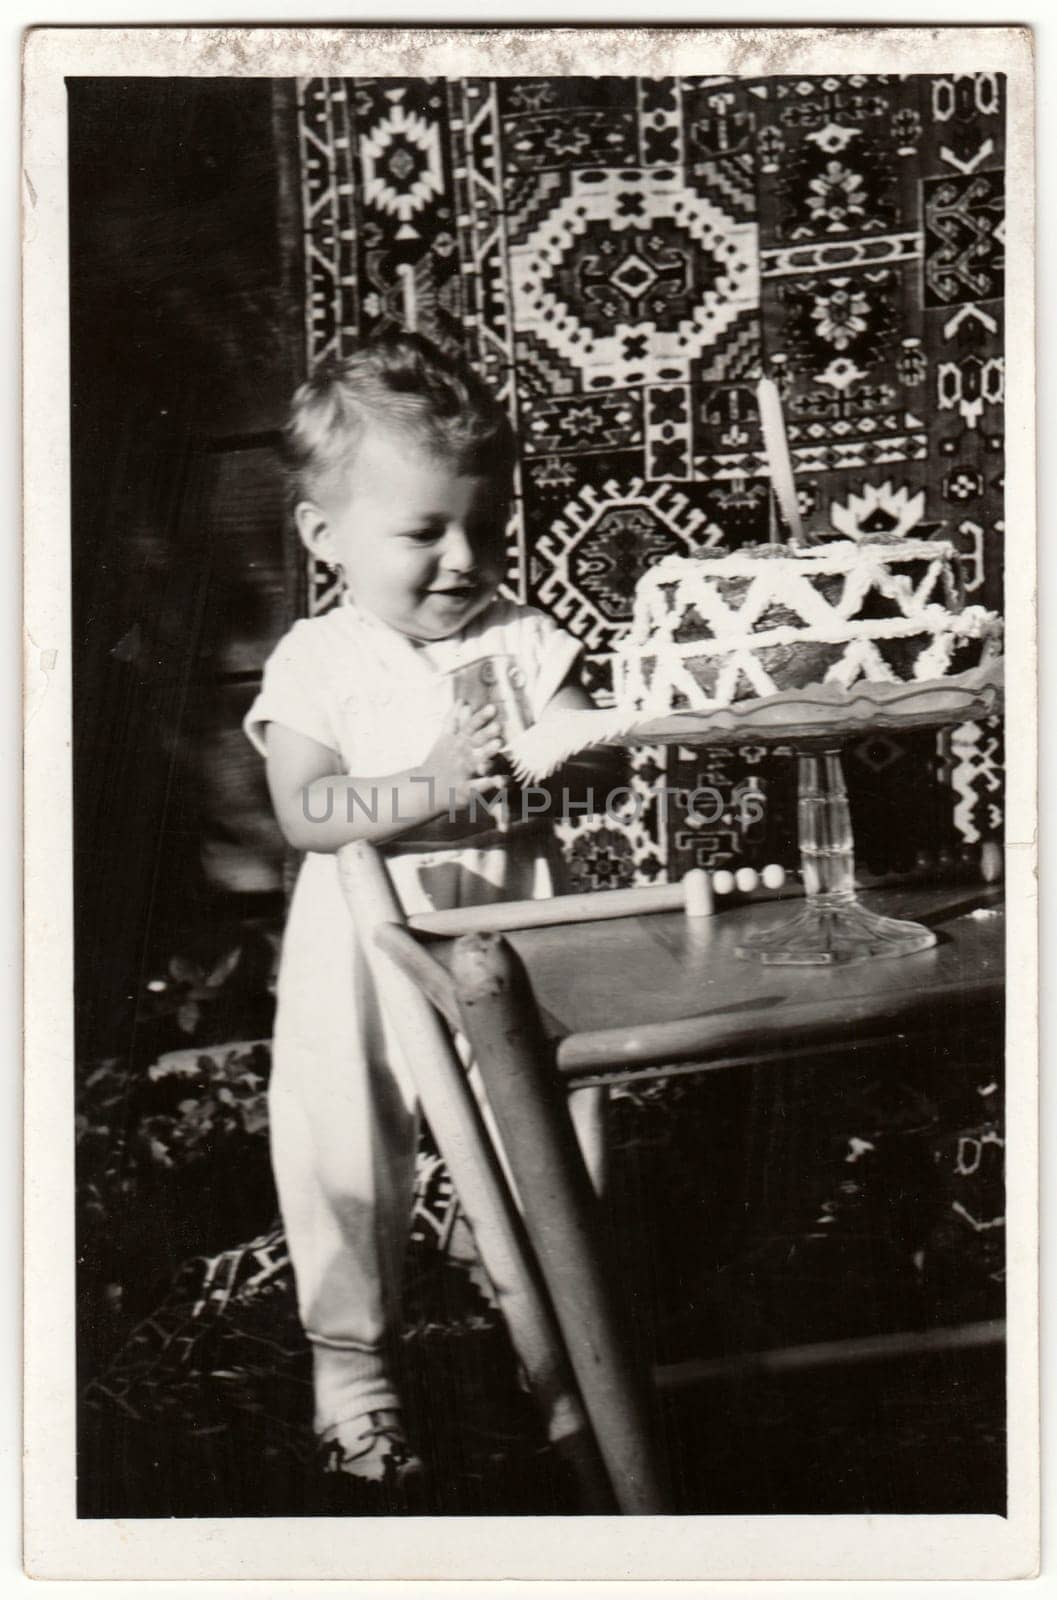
x=377 y=698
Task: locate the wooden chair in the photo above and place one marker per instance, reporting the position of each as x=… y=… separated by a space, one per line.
x=549 y=1276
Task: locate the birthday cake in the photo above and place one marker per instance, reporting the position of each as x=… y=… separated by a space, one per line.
x=722 y=626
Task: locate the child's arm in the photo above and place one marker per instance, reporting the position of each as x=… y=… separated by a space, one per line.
x=320 y=808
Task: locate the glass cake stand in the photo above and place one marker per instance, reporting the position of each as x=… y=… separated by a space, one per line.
x=832 y=926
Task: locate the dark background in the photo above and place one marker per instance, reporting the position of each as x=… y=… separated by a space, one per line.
x=182 y=363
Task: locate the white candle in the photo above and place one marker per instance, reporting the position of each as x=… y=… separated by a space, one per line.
x=746 y=879
x=773 y=875
x=723 y=881
x=409 y=296
x=698 y=893
x=779 y=460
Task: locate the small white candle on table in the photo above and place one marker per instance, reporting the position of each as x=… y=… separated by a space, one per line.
x=698 y=893
x=991 y=862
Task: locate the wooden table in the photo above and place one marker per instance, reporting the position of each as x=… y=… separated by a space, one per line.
x=636 y=995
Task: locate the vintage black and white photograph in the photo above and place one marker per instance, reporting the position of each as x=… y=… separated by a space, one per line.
x=538 y=624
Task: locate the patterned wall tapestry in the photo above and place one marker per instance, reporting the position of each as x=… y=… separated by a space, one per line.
x=623 y=258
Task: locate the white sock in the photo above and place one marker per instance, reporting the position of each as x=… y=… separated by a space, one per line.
x=349 y=1383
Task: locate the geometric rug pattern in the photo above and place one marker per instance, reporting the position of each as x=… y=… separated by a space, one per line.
x=623 y=258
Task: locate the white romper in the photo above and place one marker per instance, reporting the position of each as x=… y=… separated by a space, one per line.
x=342 y=1106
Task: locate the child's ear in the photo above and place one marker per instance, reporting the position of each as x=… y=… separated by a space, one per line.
x=314 y=530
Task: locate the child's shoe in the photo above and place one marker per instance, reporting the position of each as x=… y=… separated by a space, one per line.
x=374 y=1448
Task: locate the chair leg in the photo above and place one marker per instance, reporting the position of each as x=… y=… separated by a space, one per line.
x=451 y=1110
x=513 y=1057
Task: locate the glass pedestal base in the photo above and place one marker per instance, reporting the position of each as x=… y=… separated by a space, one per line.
x=832 y=926
x=823 y=935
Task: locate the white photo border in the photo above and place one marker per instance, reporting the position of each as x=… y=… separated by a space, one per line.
x=57 y=1543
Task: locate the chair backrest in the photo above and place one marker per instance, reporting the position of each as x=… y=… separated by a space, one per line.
x=414 y=960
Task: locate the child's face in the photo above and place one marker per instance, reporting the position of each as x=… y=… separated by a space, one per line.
x=420 y=544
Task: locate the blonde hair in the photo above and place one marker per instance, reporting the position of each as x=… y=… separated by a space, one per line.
x=405 y=383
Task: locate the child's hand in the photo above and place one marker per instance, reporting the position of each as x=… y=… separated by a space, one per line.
x=460 y=761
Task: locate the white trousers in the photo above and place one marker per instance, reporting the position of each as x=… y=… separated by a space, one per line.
x=344 y=1112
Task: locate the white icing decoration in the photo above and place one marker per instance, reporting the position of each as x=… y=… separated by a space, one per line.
x=927 y=606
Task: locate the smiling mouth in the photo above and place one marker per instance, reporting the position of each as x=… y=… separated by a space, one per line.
x=458 y=592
